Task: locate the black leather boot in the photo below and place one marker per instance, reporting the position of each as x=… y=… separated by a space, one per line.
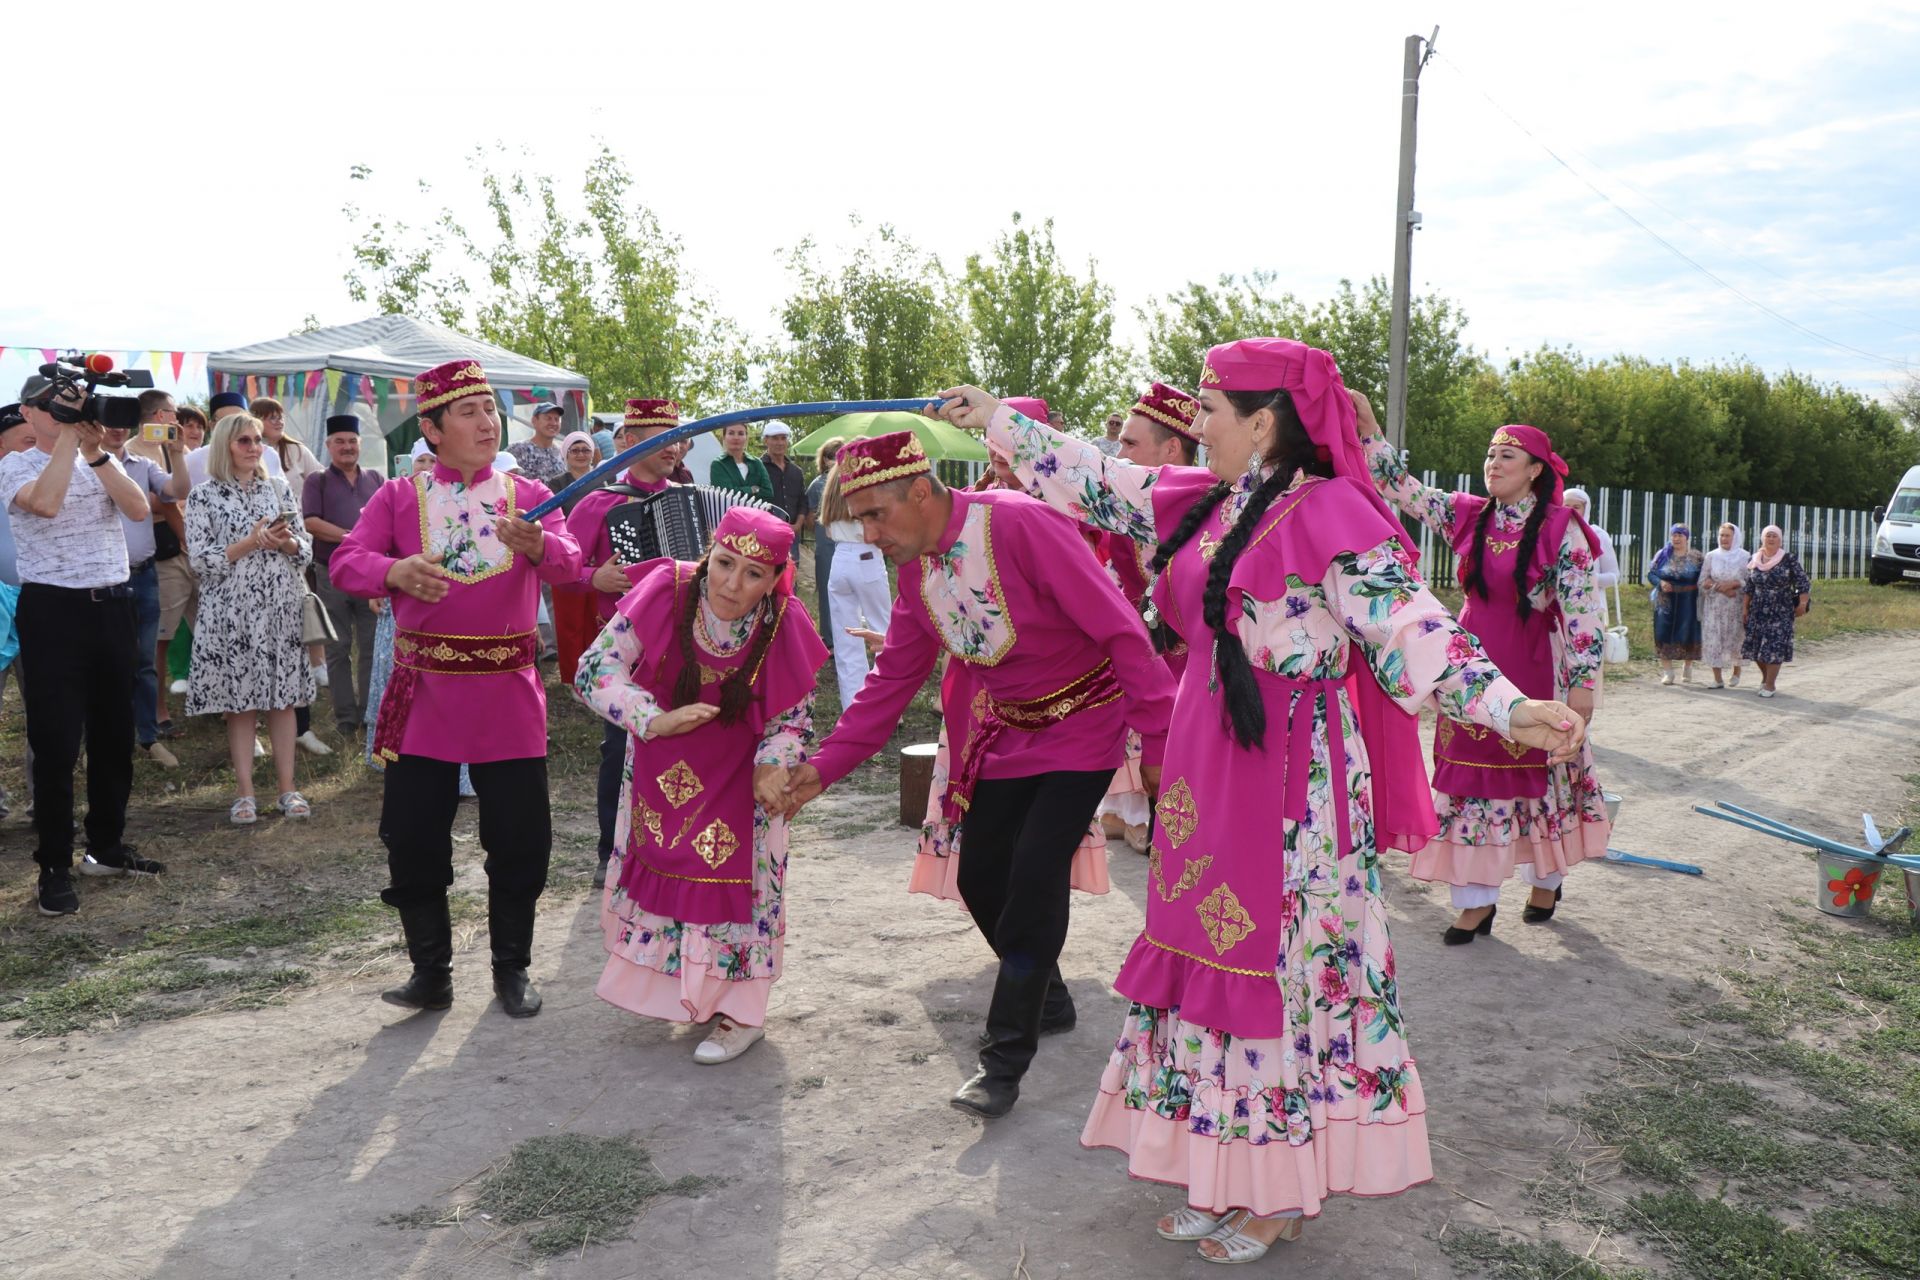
x=1013 y=1036
x=510 y=930
x=1057 y=1016
x=429 y=930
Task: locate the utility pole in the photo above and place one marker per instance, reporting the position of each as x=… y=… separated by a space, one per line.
x=1405 y=221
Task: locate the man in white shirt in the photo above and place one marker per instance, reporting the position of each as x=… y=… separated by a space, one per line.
x=76 y=623
x=222 y=404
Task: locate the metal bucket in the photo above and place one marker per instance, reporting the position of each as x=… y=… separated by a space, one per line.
x=1913 y=897
x=1846 y=884
x=1612 y=801
x=916 y=779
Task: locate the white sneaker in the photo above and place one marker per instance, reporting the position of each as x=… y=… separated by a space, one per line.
x=727 y=1041
x=312 y=744
x=320 y=676
x=178 y=686
x=259 y=749
x=158 y=753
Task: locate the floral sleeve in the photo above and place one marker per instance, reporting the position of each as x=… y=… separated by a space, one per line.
x=1415 y=647
x=604 y=679
x=1431 y=507
x=1582 y=615
x=787 y=736
x=1073 y=477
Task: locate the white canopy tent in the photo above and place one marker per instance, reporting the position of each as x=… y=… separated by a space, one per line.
x=367 y=369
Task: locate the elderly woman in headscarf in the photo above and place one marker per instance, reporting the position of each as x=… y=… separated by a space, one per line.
x=575 y=618
x=1606 y=565
x=1722 y=604
x=1675 y=575
x=1778 y=590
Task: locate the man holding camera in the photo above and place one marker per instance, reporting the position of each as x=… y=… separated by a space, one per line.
x=143 y=552
x=76 y=623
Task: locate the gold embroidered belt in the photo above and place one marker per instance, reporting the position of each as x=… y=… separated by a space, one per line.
x=1096 y=688
x=418 y=653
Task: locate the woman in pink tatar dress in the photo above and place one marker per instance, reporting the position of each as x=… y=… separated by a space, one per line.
x=1527 y=567
x=1263 y=1064
x=710 y=669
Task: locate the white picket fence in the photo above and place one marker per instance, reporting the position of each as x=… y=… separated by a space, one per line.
x=1831 y=542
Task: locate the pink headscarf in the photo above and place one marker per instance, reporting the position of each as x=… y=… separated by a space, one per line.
x=1033 y=406
x=1312 y=378
x=579 y=437
x=1760 y=560
x=1540 y=445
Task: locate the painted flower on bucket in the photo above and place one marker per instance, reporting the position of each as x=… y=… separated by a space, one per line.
x=1855 y=886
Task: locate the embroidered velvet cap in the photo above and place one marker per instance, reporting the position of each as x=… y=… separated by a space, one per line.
x=1033 y=406
x=454 y=380
x=652 y=413
x=226 y=400
x=343 y=422
x=878 y=459
x=760 y=536
x=1536 y=442
x=1169 y=406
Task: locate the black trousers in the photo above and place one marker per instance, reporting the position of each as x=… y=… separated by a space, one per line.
x=1017 y=847
x=416 y=824
x=613 y=759
x=79 y=645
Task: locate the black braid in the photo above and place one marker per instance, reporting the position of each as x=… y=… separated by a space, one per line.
x=1473 y=577
x=1292 y=452
x=737 y=689
x=686 y=687
x=1542 y=493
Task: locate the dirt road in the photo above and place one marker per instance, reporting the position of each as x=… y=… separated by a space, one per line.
x=272 y=1143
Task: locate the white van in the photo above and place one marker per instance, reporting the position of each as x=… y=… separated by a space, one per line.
x=1896 y=541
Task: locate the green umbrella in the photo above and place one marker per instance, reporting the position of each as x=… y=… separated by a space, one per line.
x=940 y=439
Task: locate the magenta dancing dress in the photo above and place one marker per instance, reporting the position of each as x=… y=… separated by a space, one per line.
x=1263 y=1063
x=1500 y=812
x=693 y=912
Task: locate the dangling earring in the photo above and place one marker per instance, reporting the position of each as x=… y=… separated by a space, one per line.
x=1255 y=461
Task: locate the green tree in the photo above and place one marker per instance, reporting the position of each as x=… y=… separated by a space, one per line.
x=1040 y=330
x=885 y=326
x=599 y=289
x=1183 y=325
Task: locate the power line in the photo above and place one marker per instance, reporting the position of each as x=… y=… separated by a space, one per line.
x=1675 y=250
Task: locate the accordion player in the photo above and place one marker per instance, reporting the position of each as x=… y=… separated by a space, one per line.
x=676 y=523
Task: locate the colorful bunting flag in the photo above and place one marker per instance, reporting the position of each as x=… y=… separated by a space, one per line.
x=333 y=389
x=179 y=358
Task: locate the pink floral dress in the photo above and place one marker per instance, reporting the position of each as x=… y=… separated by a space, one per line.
x=663 y=968
x=1483 y=842
x=1328 y=1100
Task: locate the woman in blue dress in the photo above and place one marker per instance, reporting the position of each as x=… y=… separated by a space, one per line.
x=1675 y=575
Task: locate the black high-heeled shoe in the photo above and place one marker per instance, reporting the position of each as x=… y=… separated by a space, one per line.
x=1455 y=936
x=1540 y=915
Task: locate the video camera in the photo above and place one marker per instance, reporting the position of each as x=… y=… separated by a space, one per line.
x=81 y=373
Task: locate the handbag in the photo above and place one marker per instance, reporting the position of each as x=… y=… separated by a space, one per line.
x=315 y=626
x=1616 y=650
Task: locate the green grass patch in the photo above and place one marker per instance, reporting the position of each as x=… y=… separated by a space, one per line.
x=1495 y=1256
x=563 y=1192
x=136 y=990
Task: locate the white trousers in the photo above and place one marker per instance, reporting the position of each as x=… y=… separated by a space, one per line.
x=1468 y=896
x=856 y=590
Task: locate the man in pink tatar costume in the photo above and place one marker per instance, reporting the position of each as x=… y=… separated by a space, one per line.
x=1011 y=589
x=463 y=571
x=605 y=578
x=1262 y=1065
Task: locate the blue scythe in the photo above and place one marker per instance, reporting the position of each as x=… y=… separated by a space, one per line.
x=687 y=430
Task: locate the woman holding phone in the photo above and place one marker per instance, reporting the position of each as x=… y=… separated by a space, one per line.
x=250 y=548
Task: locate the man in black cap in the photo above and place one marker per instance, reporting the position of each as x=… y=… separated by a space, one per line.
x=331 y=503
x=540 y=458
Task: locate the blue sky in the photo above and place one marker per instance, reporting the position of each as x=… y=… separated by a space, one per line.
x=1169 y=145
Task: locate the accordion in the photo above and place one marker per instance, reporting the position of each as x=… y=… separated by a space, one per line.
x=676 y=523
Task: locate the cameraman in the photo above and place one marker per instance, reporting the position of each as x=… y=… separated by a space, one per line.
x=64 y=498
